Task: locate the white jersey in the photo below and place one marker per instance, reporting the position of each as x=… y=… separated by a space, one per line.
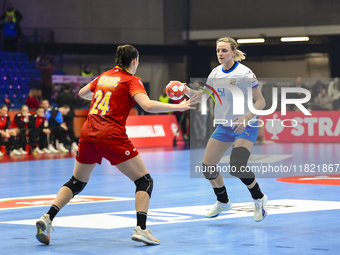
x=239 y=76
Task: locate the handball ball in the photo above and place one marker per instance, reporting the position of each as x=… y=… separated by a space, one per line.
x=175 y=90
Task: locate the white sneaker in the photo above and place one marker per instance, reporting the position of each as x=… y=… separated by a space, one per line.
x=37 y=151
x=74 y=147
x=218 y=208
x=47 y=151
x=15 y=153
x=1 y=154
x=145 y=236
x=44 y=223
x=260 y=208
x=51 y=149
x=23 y=152
x=62 y=148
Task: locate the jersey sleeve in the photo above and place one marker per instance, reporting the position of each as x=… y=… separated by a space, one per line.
x=136 y=86
x=210 y=79
x=251 y=80
x=93 y=84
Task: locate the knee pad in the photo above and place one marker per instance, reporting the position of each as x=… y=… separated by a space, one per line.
x=238 y=165
x=75 y=185
x=144 y=183
x=210 y=171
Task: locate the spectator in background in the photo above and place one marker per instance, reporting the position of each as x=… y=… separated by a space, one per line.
x=47 y=71
x=10 y=36
x=298 y=84
x=58 y=125
x=33 y=99
x=13 y=13
x=39 y=130
x=45 y=104
x=6 y=133
x=11 y=28
x=334 y=93
x=87 y=71
x=323 y=101
x=21 y=125
x=66 y=97
x=317 y=89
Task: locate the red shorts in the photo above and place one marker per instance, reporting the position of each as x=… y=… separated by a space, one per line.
x=90 y=153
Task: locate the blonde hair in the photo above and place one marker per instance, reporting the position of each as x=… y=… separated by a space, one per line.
x=32 y=92
x=240 y=55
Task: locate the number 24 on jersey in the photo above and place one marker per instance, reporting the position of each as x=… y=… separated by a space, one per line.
x=102 y=103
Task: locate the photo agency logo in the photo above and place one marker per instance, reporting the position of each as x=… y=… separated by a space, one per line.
x=231 y=94
x=204 y=97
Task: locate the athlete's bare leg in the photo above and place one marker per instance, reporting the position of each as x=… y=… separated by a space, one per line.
x=214 y=152
x=134 y=169
x=81 y=172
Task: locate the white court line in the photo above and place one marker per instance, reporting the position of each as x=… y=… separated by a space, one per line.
x=46 y=200
x=173 y=215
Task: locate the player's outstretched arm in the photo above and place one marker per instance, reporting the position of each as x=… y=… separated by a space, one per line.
x=153 y=106
x=85 y=92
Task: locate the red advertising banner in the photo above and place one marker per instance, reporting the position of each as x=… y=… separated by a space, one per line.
x=321 y=126
x=152 y=130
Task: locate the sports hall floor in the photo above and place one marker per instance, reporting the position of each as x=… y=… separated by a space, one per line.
x=302 y=218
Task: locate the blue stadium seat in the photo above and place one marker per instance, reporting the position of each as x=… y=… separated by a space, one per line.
x=4 y=77
x=11 y=88
x=59 y=72
x=24 y=85
x=12 y=64
x=14 y=98
x=8 y=69
x=24 y=57
x=25 y=90
x=4 y=63
x=8 y=55
x=4 y=82
x=16 y=70
x=37 y=72
x=26 y=64
x=2 y=74
x=3 y=89
x=19 y=93
x=13 y=77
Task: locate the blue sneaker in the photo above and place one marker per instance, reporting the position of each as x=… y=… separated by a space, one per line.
x=260 y=208
x=218 y=208
x=44 y=224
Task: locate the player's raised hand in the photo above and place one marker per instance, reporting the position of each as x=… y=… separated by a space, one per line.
x=187 y=104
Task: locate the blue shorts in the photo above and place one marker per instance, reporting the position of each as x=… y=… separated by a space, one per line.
x=227 y=134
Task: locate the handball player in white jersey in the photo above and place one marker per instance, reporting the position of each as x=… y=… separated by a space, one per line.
x=235 y=129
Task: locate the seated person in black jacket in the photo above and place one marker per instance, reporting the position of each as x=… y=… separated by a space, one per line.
x=66 y=97
x=7 y=133
x=58 y=125
x=39 y=129
x=21 y=125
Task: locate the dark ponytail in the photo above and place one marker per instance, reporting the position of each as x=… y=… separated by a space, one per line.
x=125 y=54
